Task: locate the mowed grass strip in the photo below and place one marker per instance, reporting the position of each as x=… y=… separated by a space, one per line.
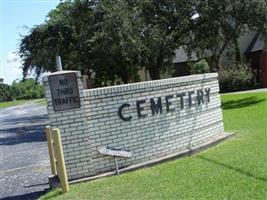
x=12 y=103
x=235 y=169
x=21 y=102
x=41 y=102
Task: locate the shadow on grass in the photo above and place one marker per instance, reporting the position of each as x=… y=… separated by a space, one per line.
x=241 y=103
x=233 y=168
x=52 y=194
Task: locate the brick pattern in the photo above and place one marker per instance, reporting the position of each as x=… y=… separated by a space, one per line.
x=97 y=124
x=74 y=133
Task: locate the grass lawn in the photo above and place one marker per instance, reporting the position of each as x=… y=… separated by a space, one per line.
x=12 y=103
x=235 y=169
x=20 y=102
x=40 y=102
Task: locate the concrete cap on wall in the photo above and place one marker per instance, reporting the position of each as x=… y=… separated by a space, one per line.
x=145 y=84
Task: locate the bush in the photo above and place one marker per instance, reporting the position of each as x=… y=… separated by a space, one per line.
x=199 y=67
x=26 y=89
x=236 y=77
x=6 y=93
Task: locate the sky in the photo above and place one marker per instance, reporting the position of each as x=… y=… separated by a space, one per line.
x=15 y=16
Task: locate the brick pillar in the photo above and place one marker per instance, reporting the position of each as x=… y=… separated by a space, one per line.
x=74 y=131
x=263 y=66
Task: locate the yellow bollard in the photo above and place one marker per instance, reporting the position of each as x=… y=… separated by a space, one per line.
x=50 y=150
x=61 y=168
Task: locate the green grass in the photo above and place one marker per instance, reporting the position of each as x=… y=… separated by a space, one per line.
x=40 y=102
x=234 y=169
x=20 y=102
x=12 y=103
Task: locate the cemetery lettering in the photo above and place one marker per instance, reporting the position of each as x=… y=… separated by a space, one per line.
x=197 y=97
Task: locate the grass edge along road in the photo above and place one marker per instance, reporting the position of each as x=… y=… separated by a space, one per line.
x=8 y=104
x=235 y=169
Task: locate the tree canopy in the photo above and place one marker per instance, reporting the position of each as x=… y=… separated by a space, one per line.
x=221 y=23
x=116 y=38
x=26 y=89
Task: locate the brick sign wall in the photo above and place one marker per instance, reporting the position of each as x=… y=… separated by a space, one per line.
x=149 y=119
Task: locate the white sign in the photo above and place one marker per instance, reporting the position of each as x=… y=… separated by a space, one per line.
x=112 y=152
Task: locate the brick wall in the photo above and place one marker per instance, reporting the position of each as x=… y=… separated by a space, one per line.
x=146 y=132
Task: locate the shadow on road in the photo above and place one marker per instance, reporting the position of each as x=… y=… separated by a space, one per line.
x=28 y=196
x=23 y=143
x=23 y=134
x=28 y=119
x=35 y=185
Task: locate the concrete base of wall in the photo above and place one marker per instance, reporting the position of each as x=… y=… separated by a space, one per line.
x=186 y=152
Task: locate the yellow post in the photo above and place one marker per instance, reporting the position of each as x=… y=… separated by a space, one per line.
x=62 y=173
x=50 y=150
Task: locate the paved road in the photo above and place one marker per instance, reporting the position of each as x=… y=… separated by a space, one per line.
x=24 y=162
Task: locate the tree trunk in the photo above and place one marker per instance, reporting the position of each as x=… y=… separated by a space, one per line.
x=154 y=72
x=125 y=79
x=265 y=42
x=213 y=62
x=124 y=75
x=238 y=57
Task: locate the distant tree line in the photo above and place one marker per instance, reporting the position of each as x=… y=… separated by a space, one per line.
x=117 y=38
x=24 y=89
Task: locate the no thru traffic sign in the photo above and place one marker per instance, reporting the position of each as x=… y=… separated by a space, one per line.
x=64 y=90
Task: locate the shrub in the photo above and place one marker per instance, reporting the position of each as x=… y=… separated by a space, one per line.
x=26 y=89
x=199 y=67
x=6 y=93
x=236 y=77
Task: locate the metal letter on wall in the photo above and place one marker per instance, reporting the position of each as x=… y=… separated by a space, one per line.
x=64 y=90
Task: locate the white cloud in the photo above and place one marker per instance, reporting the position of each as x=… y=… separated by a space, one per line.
x=13 y=56
x=12 y=67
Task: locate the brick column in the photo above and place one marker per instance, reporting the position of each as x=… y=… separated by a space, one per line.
x=74 y=131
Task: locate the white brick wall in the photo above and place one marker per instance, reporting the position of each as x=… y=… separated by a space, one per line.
x=97 y=124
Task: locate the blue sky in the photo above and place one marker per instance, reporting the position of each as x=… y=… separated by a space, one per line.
x=15 y=16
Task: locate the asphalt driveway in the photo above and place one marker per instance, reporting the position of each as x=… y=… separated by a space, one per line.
x=24 y=161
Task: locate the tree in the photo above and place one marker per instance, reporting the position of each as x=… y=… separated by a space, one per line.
x=117 y=38
x=61 y=34
x=160 y=20
x=114 y=38
x=6 y=93
x=115 y=42
x=27 y=89
x=221 y=23
x=95 y=36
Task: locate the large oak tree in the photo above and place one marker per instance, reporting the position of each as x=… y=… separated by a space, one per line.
x=116 y=38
